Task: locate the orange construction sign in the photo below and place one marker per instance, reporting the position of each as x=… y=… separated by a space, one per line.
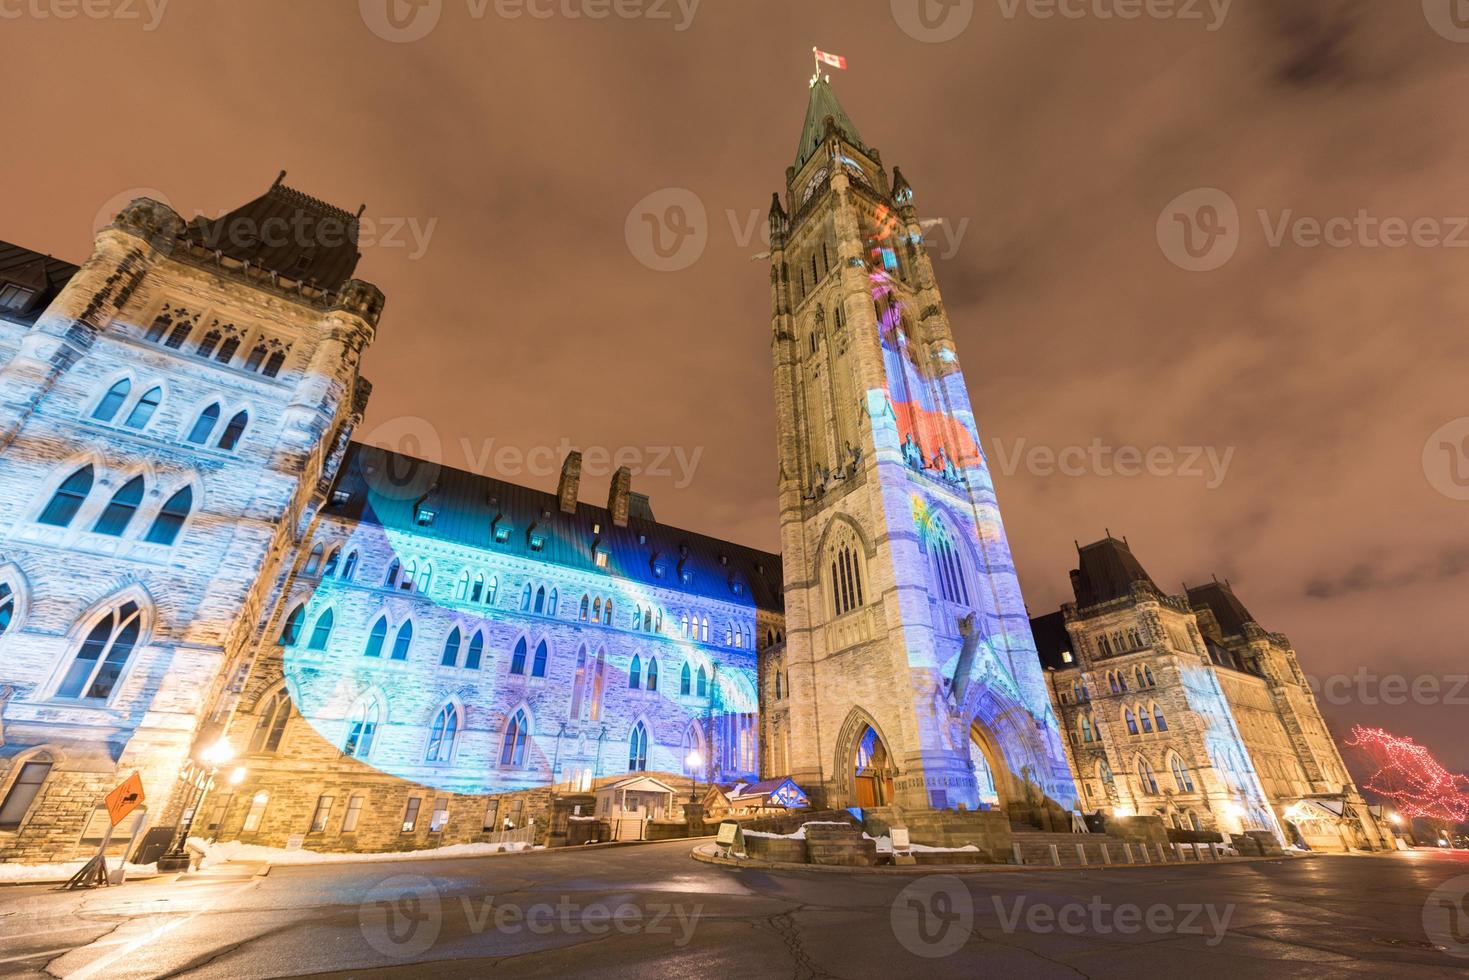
x=124 y=799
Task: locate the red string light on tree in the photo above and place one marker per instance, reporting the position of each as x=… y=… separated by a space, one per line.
x=1411 y=777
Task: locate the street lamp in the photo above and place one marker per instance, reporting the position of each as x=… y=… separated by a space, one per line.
x=199 y=774
x=694 y=762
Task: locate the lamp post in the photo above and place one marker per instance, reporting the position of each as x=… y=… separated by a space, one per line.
x=695 y=809
x=199 y=774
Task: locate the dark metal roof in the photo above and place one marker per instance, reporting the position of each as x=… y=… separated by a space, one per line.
x=42 y=273
x=1107 y=572
x=1220 y=599
x=395 y=491
x=1052 y=640
x=287 y=232
x=824 y=104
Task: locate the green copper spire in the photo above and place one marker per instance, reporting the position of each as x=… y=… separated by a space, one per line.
x=823 y=104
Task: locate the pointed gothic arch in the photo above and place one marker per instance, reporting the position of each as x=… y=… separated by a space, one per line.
x=864 y=765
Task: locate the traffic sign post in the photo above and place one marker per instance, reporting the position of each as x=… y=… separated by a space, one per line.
x=120 y=802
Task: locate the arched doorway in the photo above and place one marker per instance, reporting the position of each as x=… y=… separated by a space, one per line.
x=994 y=781
x=872 y=773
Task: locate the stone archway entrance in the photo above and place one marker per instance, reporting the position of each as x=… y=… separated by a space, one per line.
x=872 y=771
x=996 y=783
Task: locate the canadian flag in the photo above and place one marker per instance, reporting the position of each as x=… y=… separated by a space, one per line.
x=834 y=60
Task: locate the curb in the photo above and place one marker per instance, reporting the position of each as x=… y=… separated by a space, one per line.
x=707 y=857
x=426 y=856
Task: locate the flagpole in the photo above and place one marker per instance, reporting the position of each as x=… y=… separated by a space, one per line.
x=816 y=57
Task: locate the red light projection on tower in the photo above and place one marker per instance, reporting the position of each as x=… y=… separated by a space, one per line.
x=1411 y=777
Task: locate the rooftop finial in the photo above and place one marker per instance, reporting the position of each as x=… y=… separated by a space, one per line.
x=361 y=210
x=278 y=180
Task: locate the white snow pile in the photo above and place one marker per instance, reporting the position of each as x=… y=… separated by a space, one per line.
x=222 y=853
x=20 y=874
x=885 y=846
x=800 y=834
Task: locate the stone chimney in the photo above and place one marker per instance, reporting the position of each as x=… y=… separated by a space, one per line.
x=619 y=496
x=570 y=485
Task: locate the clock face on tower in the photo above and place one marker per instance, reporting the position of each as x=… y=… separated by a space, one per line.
x=817 y=179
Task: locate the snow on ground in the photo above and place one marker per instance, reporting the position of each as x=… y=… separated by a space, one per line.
x=17 y=874
x=221 y=853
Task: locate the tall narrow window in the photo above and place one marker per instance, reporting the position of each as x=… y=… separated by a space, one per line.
x=599 y=685
x=204 y=425
x=392 y=578
x=321 y=633
x=234 y=431
x=635 y=673
x=477 y=592
x=354 y=814
x=578 y=684
x=107 y=408
x=179 y=334
x=255 y=358
x=517 y=658
x=271 y=727
x=461 y=591
x=274 y=364
x=208 y=343
x=171 y=517
x=334 y=559
x=1146 y=777
x=442 y=737
x=686 y=681
x=703 y=689
x=586 y=604
x=538 y=666
x=226 y=352
x=1181 y=777
x=652 y=674
x=637 y=749
x=512 y=748
x=541 y=599
x=23 y=793
x=403 y=641
x=142 y=412
x=451 y=649
x=349 y=567
x=68 y=499
x=362 y=730
x=377 y=638
x=104 y=653
x=492 y=590
x=322 y=815
x=120 y=509
x=607 y=613
x=1158 y=717
x=525 y=598
x=476 y=652
x=291 y=631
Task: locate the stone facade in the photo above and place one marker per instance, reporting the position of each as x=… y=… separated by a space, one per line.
x=1181 y=706
x=908 y=667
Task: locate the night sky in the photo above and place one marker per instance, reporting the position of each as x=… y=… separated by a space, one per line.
x=504 y=160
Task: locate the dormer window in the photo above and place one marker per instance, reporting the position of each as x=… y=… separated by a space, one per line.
x=596 y=528
x=424 y=516
x=601 y=559
x=341 y=498
x=502 y=535
x=537 y=542
x=739 y=588
x=688 y=578
x=1066 y=657
x=13 y=297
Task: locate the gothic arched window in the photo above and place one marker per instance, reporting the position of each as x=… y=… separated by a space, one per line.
x=578 y=684
x=948 y=568
x=334 y=559
x=607 y=613
x=144 y=408
x=107 y=408
x=68 y=498
x=1158 y=717
x=1147 y=779
x=377 y=638
x=233 y=431
x=451 y=649
x=272 y=724
x=444 y=734
x=517 y=657
x=512 y=748
x=685 y=681
x=1131 y=720
x=274 y=364
x=403 y=642
x=171 y=517
x=104 y=653
x=362 y=730
x=637 y=749
x=204 y=426
x=349 y=567
x=475 y=653
x=291 y=631
x=635 y=673
x=586 y=605
x=703 y=688
x=7 y=607
x=321 y=633
x=538 y=666
x=652 y=674
x=1181 y=777
x=119 y=511
x=844 y=562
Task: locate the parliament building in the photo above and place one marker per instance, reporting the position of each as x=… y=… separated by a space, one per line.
x=297 y=638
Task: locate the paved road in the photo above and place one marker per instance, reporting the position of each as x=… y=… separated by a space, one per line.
x=651 y=911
